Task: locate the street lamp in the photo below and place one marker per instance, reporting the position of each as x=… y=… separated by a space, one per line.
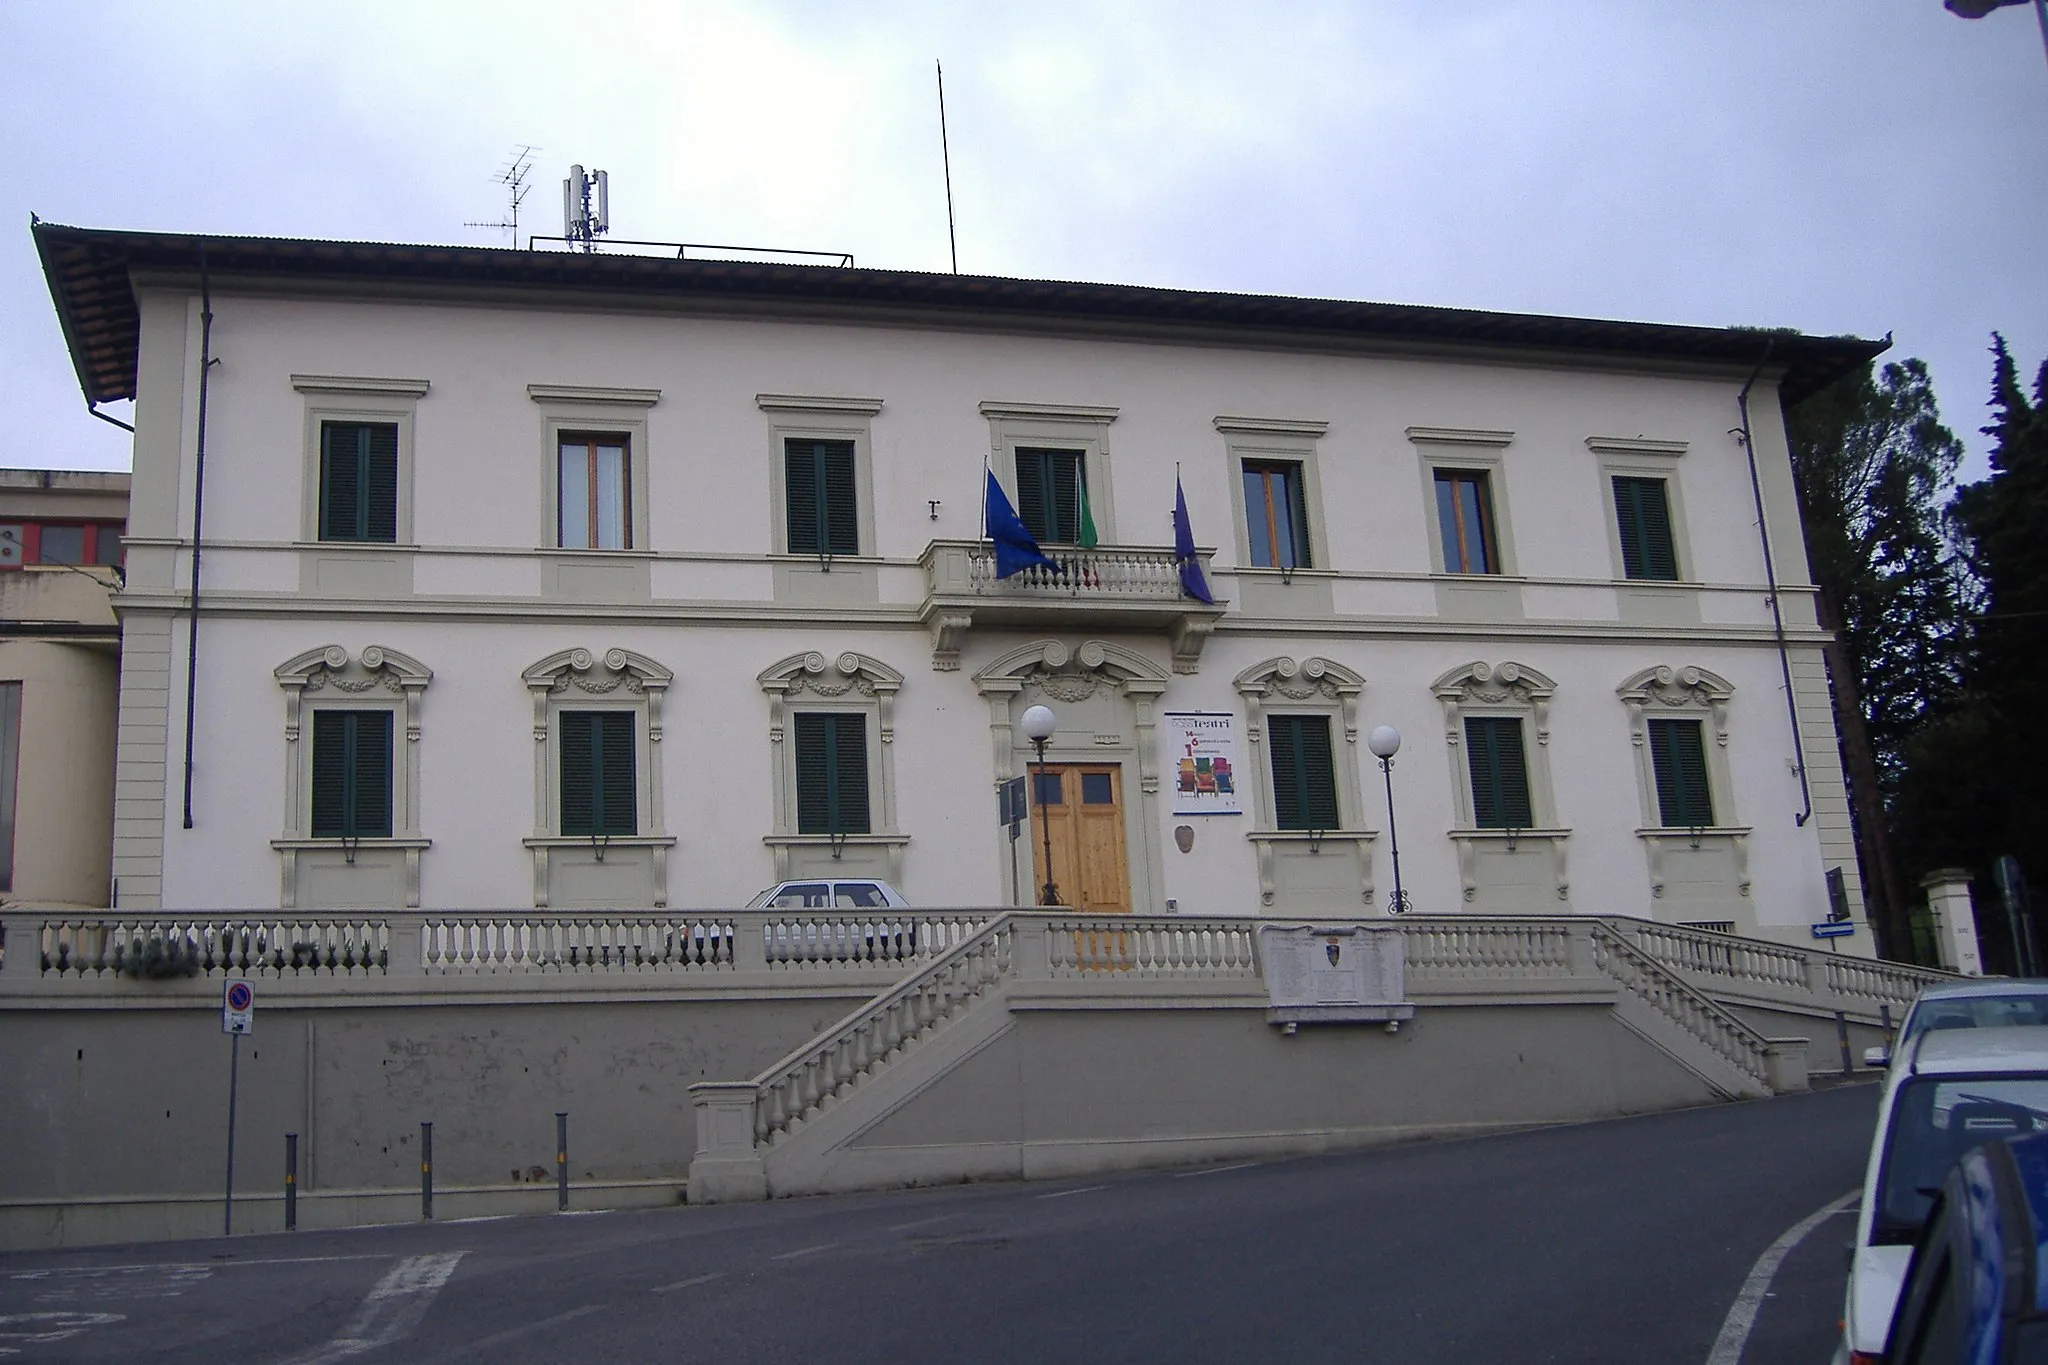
x=1038 y=724
x=1385 y=742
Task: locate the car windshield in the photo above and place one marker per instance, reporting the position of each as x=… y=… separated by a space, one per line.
x=1934 y=1121
x=801 y=896
x=1983 y=1011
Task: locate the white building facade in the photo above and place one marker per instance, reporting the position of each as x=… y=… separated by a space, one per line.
x=553 y=580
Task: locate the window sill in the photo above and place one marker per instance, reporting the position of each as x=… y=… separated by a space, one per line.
x=1304 y=836
x=1453 y=576
x=1510 y=835
x=384 y=547
x=1262 y=571
x=554 y=550
x=1692 y=831
x=1670 y=583
x=827 y=840
x=605 y=840
x=403 y=841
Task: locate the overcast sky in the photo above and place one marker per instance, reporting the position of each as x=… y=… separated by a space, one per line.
x=1864 y=166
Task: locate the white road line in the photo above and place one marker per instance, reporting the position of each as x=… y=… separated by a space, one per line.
x=803 y=1251
x=390 y=1311
x=186 y=1265
x=1062 y=1194
x=511 y=1333
x=921 y=1223
x=1742 y=1313
x=690 y=1283
x=1218 y=1170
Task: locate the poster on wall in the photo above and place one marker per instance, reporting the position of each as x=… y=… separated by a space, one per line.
x=1201 y=762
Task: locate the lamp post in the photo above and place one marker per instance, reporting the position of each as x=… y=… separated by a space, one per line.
x=1038 y=725
x=1385 y=742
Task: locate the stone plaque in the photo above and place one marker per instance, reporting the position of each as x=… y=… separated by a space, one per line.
x=1334 y=973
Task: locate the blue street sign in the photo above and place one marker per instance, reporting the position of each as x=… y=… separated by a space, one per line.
x=1842 y=930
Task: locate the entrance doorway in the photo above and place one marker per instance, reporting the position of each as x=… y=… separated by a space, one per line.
x=1083 y=809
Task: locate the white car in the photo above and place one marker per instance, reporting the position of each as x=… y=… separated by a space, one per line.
x=1952 y=1089
x=837 y=893
x=1996 y=1002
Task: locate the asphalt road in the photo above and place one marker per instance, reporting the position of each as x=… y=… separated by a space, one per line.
x=1625 y=1241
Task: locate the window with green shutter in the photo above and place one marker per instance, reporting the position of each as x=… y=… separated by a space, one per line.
x=600 y=790
x=351 y=774
x=819 y=484
x=1050 y=487
x=1678 y=754
x=1500 y=772
x=1304 y=772
x=359 y=481
x=1642 y=515
x=832 y=772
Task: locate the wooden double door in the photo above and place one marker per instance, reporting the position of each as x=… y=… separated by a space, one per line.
x=1081 y=806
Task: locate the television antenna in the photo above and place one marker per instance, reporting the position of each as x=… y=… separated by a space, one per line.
x=586 y=207
x=513 y=178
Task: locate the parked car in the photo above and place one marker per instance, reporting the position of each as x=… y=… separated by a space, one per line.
x=1999 y=1002
x=1952 y=1090
x=881 y=939
x=839 y=893
x=1977 y=1288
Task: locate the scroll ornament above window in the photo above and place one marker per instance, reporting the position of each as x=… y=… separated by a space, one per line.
x=377 y=667
x=1282 y=680
x=582 y=671
x=870 y=679
x=1505 y=684
x=1671 y=689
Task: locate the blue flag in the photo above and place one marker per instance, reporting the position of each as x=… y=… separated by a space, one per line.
x=1016 y=550
x=1191 y=581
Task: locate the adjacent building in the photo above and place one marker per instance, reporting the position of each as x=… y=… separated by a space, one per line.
x=60 y=663
x=593 y=581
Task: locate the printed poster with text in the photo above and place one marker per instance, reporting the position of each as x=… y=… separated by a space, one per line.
x=1201 y=763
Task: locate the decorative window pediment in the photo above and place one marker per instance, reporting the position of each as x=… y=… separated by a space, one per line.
x=1283 y=680
x=1665 y=688
x=1506 y=809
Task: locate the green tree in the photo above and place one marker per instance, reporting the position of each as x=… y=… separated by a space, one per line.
x=1974 y=785
x=1873 y=465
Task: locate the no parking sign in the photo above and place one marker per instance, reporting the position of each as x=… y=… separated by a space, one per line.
x=238 y=1008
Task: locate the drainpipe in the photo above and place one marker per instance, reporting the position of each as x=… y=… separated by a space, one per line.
x=105 y=418
x=1763 y=531
x=198 y=518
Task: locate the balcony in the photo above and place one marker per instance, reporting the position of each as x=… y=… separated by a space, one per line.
x=1111 y=587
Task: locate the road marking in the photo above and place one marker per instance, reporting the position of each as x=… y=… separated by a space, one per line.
x=40 y=1329
x=922 y=1222
x=803 y=1251
x=1742 y=1313
x=690 y=1283
x=185 y=1265
x=1218 y=1170
x=511 y=1333
x=390 y=1311
x=1062 y=1194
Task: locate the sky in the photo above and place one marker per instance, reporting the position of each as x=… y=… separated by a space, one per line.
x=1837 y=166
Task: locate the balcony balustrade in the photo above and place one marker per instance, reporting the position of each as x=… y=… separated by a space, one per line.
x=1132 y=587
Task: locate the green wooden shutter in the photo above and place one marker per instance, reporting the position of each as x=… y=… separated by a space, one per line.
x=841 y=510
x=1032 y=483
x=600 y=787
x=1642 y=516
x=330 y=775
x=342 y=450
x=1065 y=519
x=1304 y=772
x=380 y=483
x=801 y=483
x=351 y=774
x=359 y=481
x=1297 y=515
x=371 y=816
x=1500 y=773
x=832 y=773
x=1685 y=798
x=617 y=786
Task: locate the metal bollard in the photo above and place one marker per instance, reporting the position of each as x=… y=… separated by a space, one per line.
x=562 y=1162
x=291 y=1182
x=426 y=1170
x=1842 y=1036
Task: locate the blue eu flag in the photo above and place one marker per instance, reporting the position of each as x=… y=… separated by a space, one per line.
x=1191 y=581
x=1016 y=550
